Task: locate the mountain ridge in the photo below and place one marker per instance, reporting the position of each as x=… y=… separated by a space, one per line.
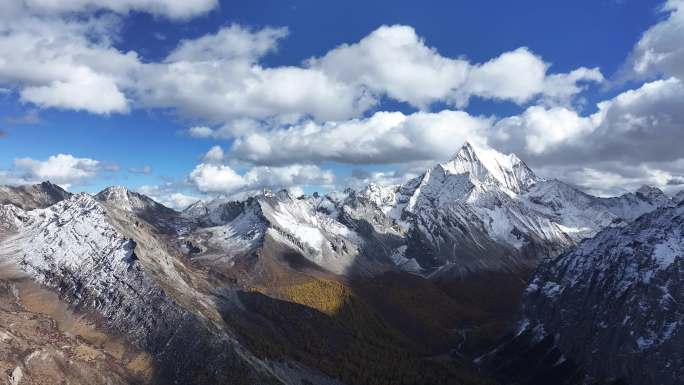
x=33 y=196
x=490 y=207
x=236 y=280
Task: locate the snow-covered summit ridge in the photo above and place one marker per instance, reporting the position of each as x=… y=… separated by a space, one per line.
x=479 y=203
x=653 y=194
x=89 y=232
x=122 y=198
x=482 y=208
x=481 y=195
x=487 y=165
x=64 y=235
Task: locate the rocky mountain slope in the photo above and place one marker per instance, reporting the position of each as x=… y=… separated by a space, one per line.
x=131 y=201
x=613 y=304
x=113 y=265
x=209 y=320
x=43 y=342
x=678 y=198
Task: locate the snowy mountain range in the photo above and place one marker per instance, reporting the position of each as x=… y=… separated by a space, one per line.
x=185 y=286
x=483 y=203
x=481 y=210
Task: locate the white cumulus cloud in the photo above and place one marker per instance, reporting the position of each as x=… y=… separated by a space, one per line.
x=214 y=155
x=660 y=51
x=384 y=137
x=395 y=61
x=82 y=90
x=168 y=195
x=63 y=169
x=58 y=61
x=175 y=9
x=212 y=178
x=542 y=128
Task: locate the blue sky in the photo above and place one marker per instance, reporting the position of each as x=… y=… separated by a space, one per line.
x=128 y=122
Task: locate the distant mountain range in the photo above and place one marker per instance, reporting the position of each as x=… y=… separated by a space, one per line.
x=337 y=289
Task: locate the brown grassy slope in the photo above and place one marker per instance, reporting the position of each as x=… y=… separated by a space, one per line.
x=38 y=349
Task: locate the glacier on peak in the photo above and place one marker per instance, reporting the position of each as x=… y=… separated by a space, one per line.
x=487 y=165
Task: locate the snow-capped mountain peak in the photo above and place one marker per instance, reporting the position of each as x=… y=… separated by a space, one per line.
x=113 y=193
x=196 y=209
x=489 y=166
x=477 y=175
x=482 y=195
x=124 y=199
x=652 y=194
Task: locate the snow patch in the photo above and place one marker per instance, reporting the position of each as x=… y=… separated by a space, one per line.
x=644 y=343
x=551 y=289
x=665 y=253
x=406 y=264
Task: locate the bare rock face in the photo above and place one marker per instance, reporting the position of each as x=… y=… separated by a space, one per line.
x=613 y=305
